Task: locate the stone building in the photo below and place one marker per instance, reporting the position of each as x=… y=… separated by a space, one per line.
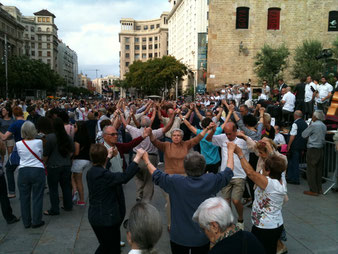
x=142 y=40
x=188 y=26
x=67 y=64
x=239 y=29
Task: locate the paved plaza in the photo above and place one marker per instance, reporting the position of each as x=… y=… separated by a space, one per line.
x=311 y=224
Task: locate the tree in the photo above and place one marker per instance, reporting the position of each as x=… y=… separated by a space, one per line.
x=155 y=75
x=271 y=62
x=25 y=73
x=306 y=62
x=335 y=47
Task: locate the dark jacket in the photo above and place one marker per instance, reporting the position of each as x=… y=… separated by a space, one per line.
x=106 y=199
x=299 y=142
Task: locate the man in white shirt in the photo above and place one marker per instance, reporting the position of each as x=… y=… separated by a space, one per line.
x=288 y=102
x=234 y=190
x=266 y=88
x=324 y=94
x=261 y=95
x=310 y=89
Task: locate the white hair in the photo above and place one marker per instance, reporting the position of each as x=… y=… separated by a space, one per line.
x=319 y=114
x=177 y=130
x=214 y=210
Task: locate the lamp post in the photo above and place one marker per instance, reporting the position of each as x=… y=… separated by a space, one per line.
x=6 y=67
x=176 y=87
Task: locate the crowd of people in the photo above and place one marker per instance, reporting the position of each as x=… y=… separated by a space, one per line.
x=223 y=150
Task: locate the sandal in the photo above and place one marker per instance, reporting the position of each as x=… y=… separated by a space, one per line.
x=11 y=196
x=50 y=213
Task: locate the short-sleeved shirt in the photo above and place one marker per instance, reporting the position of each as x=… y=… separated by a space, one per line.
x=15 y=129
x=290 y=100
x=84 y=147
x=4 y=124
x=309 y=91
x=267 y=207
x=221 y=140
x=176 y=125
x=208 y=150
x=323 y=91
x=27 y=159
x=146 y=143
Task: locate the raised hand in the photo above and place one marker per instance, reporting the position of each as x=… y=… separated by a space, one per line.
x=240 y=134
x=231 y=146
x=147 y=132
x=212 y=125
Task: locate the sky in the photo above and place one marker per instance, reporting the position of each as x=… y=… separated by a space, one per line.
x=91 y=27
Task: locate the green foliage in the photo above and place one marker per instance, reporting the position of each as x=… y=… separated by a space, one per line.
x=271 y=62
x=25 y=73
x=335 y=48
x=155 y=75
x=305 y=60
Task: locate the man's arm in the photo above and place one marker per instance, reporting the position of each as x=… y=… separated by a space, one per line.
x=190 y=127
x=137 y=123
x=220 y=111
x=123 y=120
x=169 y=125
x=198 y=114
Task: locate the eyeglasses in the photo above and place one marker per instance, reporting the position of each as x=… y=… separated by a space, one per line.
x=112 y=134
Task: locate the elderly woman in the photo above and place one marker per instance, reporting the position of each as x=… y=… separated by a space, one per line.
x=31 y=177
x=144 y=228
x=266 y=214
x=186 y=194
x=216 y=219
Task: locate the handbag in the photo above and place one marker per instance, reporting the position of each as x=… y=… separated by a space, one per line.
x=14 y=158
x=23 y=141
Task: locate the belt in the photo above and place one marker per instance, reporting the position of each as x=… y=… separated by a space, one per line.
x=154 y=154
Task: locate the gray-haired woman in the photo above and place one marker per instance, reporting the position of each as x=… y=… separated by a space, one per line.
x=216 y=219
x=31 y=177
x=144 y=228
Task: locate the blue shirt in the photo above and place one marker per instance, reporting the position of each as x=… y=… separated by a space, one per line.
x=186 y=193
x=15 y=129
x=208 y=150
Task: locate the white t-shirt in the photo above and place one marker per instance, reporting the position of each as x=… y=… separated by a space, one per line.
x=308 y=91
x=262 y=97
x=27 y=159
x=267 y=207
x=176 y=125
x=266 y=90
x=279 y=139
x=323 y=91
x=290 y=100
x=221 y=141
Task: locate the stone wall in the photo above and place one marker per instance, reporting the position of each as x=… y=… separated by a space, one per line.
x=299 y=20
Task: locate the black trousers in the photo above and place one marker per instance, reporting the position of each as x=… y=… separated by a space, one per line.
x=212 y=168
x=4 y=201
x=268 y=238
x=109 y=239
x=180 y=249
x=55 y=176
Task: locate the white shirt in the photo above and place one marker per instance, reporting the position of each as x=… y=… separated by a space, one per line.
x=308 y=91
x=27 y=159
x=266 y=90
x=221 y=141
x=250 y=93
x=279 y=139
x=290 y=100
x=267 y=207
x=135 y=252
x=262 y=97
x=323 y=91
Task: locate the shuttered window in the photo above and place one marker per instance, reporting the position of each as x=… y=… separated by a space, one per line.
x=273 y=18
x=242 y=18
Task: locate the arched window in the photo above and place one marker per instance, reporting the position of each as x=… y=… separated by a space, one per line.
x=273 y=18
x=39 y=29
x=333 y=21
x=48 y=29
x=242 y=18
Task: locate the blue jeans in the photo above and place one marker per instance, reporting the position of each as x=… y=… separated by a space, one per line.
x=31 y=181
x=293 y=166
x=10 y=178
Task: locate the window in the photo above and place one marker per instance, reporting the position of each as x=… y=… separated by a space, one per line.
x=48 y=38
x=137 y=47
x=48 y=53
x=39 y=37
x=48 y=20
x=144 y=39
x=144 y=56
x=155 y=54
x=150 y=55
x=150 y=46
x=40 y=45
x=152 y=26
x=43 y=19
x=137 y=56
x=155 y=46
x=39 y=29
x=144 y=47
x=126 y=39
x=32 y=38
x=33 y=53
x=333 y=21
x=40 y=53
x=33 y=45
x=207 y=15
x=39 y=19
x=48 y=45
x=49 y=61
x=157 y=25
x=273 y=18
x=47 y=29
x=242 y=18
x=26 y=27
x=138 y=27
x=150 y=38
x=127 y=64
x=155 y=38
x=127 y=55
x=32 y=29
x=127 y=47
x=137 y=39
x=145 y=28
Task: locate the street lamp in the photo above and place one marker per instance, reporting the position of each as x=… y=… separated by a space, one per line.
x=6 y=67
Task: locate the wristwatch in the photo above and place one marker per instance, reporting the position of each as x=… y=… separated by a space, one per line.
x=183 y=118
x=241 y=157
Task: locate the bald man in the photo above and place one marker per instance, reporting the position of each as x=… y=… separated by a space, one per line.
x=296 y=145
x=288 y=101
x=234 y=190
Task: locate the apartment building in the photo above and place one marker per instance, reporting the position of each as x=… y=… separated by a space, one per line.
x=142 y=40
x=67 y=64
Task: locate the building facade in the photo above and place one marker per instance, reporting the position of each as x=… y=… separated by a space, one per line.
x=187 y=20
x=239 y=29
x=105 y=84
x=142 y=40
x=67 y=64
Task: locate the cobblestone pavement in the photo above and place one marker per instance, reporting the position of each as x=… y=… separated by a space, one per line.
x=311 y=224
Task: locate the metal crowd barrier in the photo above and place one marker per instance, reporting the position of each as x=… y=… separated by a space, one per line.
x=330 y=165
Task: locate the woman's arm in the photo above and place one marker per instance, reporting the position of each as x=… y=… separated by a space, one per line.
x=227 y=119
x=6 y=135
x=257 y=178
x=190 y=127
x=77 y=148
x=160 y=145
x=150 y=166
